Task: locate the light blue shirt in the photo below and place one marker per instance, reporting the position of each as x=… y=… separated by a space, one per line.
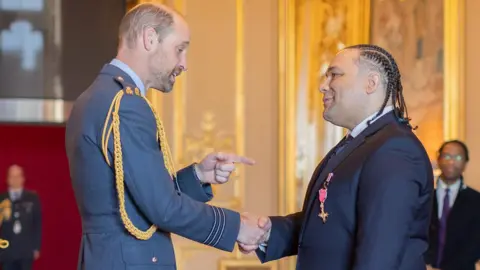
x=125 y=68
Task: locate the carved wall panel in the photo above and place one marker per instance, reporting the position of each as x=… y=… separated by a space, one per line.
x=222 y=104
x=311 y=33
x=426 y=39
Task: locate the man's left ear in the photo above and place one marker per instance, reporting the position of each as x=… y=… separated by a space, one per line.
x=373 y=82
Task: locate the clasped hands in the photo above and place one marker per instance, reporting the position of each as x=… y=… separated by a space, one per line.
x=254 y=231
x=216 y=168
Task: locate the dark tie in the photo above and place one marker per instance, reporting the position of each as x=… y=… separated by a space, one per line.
x=340 y=146
x=442 y=230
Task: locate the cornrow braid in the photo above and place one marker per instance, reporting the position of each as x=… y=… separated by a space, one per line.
x=381 y=60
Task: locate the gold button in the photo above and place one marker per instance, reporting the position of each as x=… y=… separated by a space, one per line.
x=154 y=259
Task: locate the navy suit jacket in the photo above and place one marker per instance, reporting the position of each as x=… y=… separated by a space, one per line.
x=151 y=197
x=379 y=204
x=27 y=211
x=462 y=247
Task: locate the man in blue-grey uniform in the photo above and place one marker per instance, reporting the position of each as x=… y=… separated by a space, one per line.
x=129 y=195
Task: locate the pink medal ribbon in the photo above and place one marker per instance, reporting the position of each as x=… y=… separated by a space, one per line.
x=322 y=197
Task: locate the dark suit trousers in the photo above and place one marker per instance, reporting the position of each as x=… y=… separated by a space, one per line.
x=18 y=265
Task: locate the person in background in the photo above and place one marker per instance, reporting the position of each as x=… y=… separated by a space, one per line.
x=455 y=227
x=23 y=229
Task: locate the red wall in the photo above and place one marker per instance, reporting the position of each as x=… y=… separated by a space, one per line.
x=40 y=150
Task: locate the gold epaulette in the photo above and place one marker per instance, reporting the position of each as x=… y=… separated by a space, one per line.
x=114 y=126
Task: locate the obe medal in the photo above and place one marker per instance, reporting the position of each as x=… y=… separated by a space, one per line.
x=17 y=227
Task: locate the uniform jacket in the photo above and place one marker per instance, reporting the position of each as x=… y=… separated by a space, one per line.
x=150 y=195
x=26 y=237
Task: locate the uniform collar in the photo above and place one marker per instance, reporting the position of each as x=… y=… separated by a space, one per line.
x=125 y=68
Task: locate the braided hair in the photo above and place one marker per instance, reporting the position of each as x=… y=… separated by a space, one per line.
x=377 y=58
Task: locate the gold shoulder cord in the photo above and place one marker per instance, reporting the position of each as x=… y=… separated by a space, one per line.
x=4 y=244
x=6 y=211
x=118 y=159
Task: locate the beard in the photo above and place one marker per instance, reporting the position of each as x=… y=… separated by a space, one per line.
x=167 y=79
x=163 y=82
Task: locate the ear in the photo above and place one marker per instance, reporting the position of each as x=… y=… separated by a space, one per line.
x=150 y=38
x=373 y=82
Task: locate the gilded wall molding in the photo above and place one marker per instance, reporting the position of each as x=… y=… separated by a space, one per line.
x=358 y=31
x=454 y=70
x=342 y=23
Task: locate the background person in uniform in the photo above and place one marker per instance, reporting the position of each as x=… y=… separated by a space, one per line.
x=455 y=225
x=24 y=228
x=129 y=194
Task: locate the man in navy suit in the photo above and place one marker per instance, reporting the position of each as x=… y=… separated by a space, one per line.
x=368 y=203
x=129 y=195
x=455 y=225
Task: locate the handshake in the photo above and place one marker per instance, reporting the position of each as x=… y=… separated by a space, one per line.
x=254 y=231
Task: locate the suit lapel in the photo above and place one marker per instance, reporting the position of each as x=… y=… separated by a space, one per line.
x=315 y=176
x=435 y=208
x=460 y=202
x=330 y=167
x=320 y=176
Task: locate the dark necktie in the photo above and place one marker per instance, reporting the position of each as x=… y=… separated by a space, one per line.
x=442 y=228
x=342 y=145
x=338 y=148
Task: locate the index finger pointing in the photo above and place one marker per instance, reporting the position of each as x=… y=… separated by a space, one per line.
x=240 y=159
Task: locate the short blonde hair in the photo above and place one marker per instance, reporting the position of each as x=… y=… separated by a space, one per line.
x=142 y=16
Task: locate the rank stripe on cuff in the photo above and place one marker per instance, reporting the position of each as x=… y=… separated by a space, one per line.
x=218 y=227
x=221 y=222
x=223 y=227
x=213 y=227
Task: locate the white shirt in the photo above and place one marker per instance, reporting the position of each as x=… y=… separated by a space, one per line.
x=441 y=187
x=15 y=194
x=364 y=124
x=355 y=132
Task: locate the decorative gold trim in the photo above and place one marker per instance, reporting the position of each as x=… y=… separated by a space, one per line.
x=360 y=13
x=234 y=264
x=239 y=189
x=287 y=104
x=179 y=90
x=286 y=47
x=454 y=70
x=358 y=31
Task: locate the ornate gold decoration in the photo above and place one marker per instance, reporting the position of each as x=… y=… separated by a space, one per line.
x=434 y=90
x=198 y=146
x=118 y=157
x=454 y=69
x=312 y=31
x=5 y=210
